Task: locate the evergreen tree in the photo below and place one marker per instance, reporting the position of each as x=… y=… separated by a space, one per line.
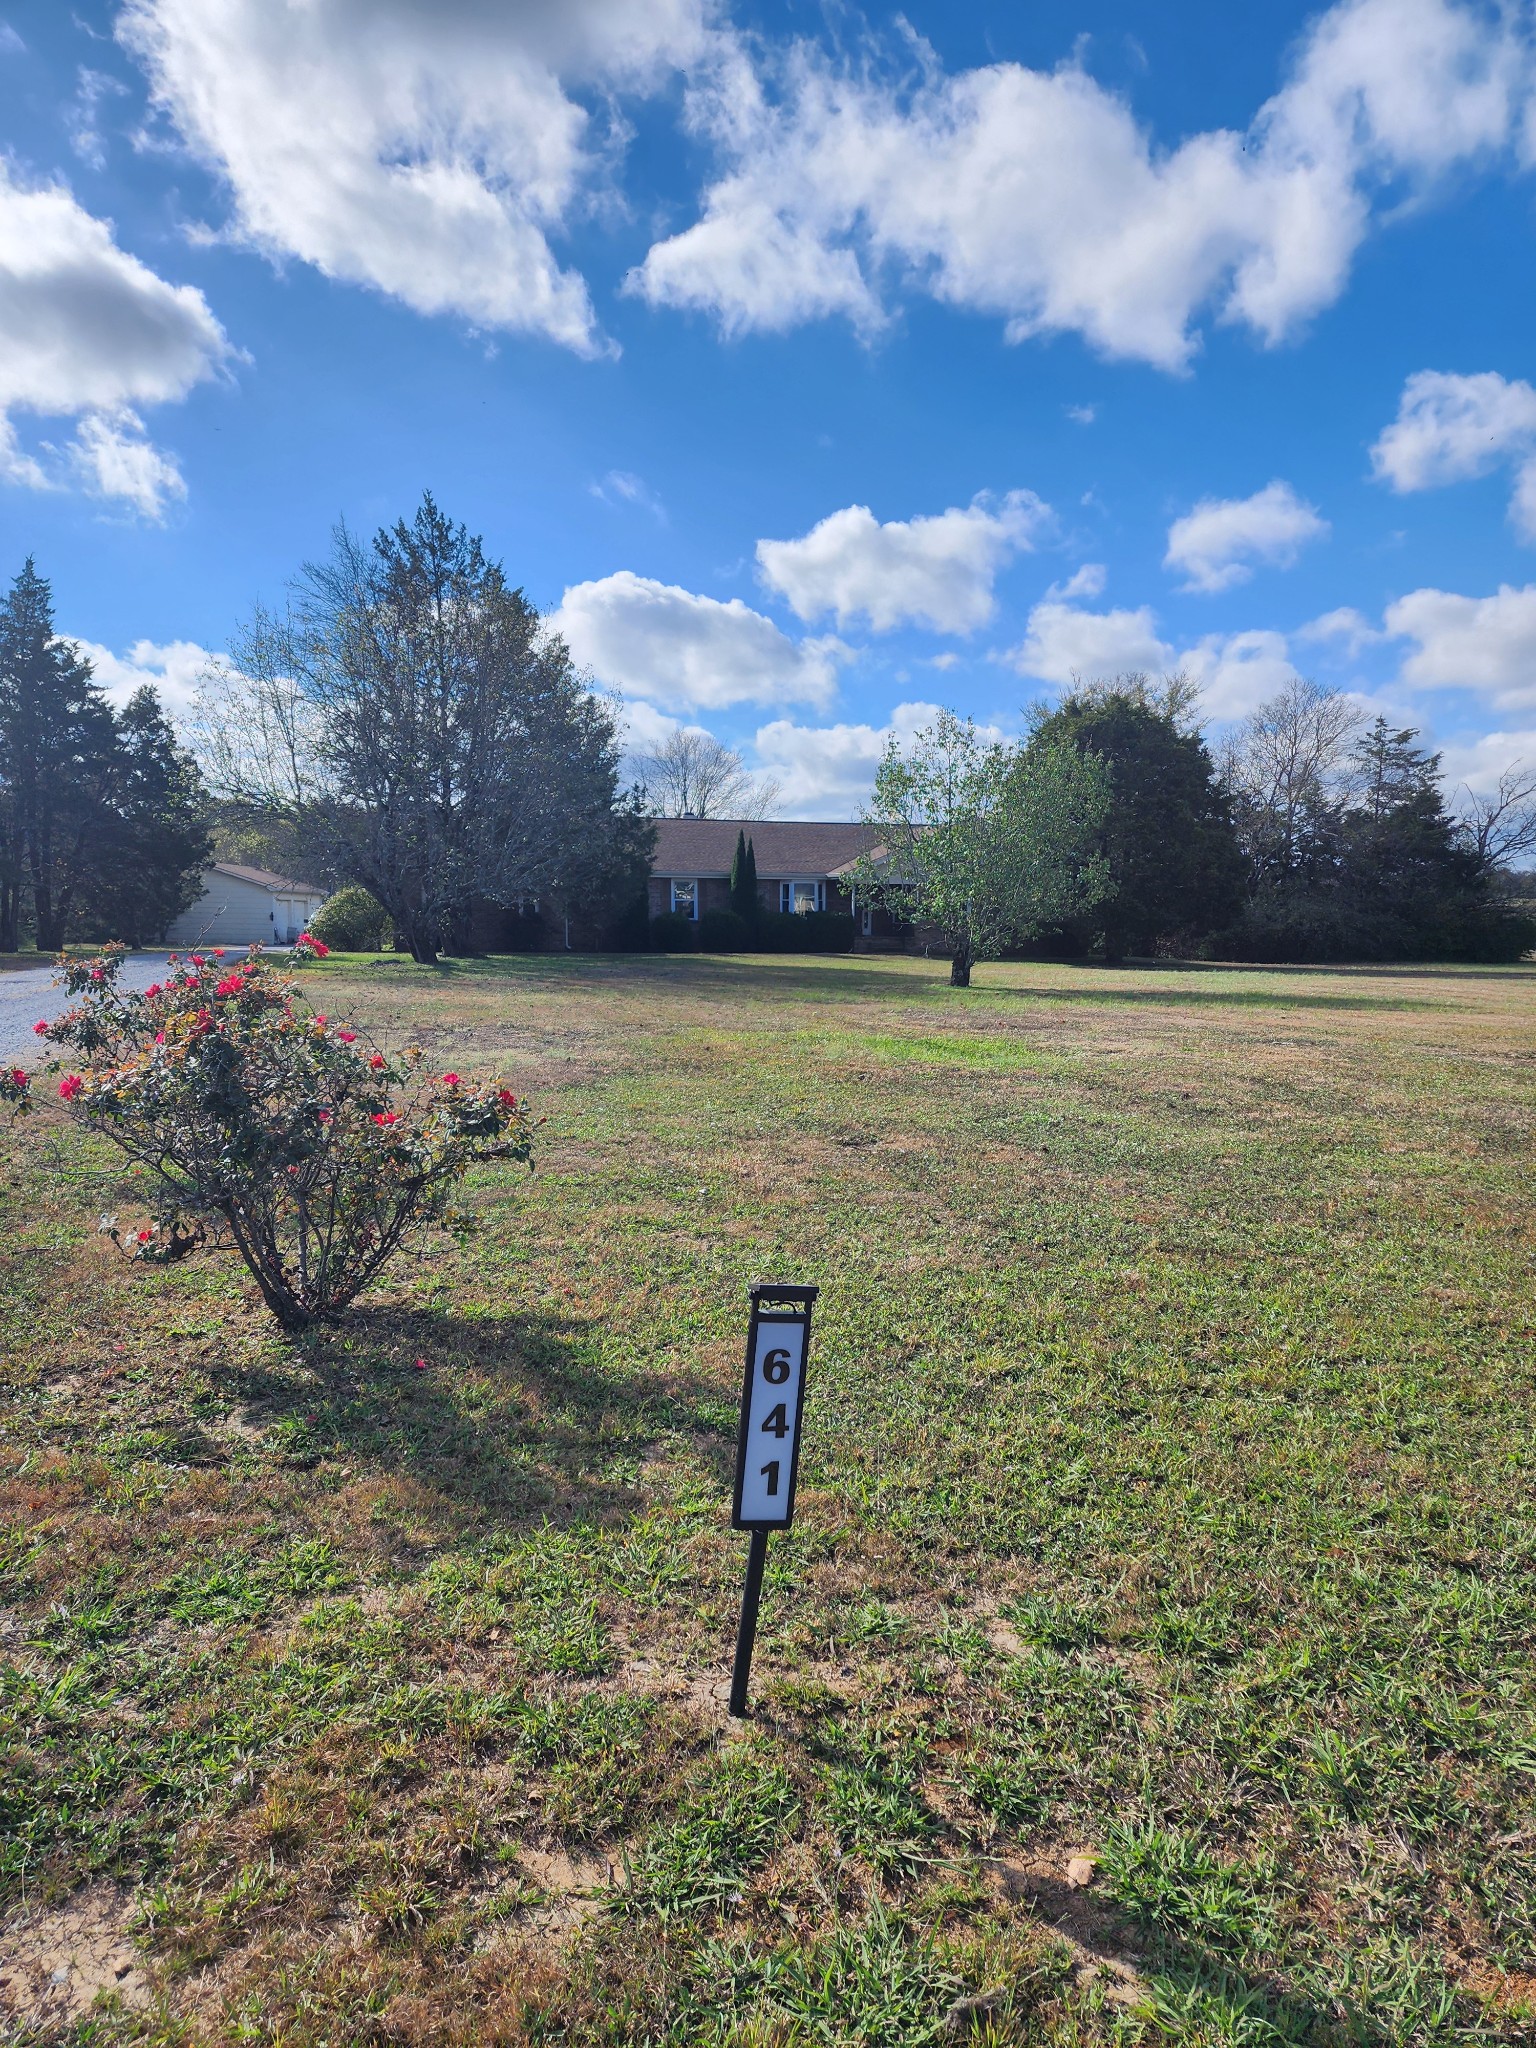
x=155 y=842
x=1167 y=839
x=57 y=748
x=743 y=888
x=1411 y=889
x=457 y=756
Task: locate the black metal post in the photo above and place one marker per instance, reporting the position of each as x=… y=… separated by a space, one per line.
x=746 y=1635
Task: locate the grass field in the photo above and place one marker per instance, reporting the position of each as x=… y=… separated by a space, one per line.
x=1168 y=1505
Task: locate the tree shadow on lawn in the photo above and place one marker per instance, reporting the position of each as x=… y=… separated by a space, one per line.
x=506 y=1422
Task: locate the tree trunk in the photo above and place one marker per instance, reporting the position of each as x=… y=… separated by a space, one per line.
x=960 y=969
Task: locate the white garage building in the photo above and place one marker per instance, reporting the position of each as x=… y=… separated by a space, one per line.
x=246 y=907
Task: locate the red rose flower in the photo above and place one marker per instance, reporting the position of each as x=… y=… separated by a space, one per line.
x=218 y=952
x=231 y=985
x=450 y=1080
x=347 y=1037
x=41 y=1026
x=70 y=1087
x=143 y=1237
x=385 y=1116
x=197 y=959
x=377 y=1062
x=506 y=1098
x=324 y=1115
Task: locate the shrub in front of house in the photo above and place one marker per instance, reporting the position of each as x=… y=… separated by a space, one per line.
x=805 y=931
x=257 y=1124
x=352 y=921
x=724 y=931
x=673 y=933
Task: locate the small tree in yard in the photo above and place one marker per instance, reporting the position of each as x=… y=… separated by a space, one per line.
x=988 y=842
x=260 y=1125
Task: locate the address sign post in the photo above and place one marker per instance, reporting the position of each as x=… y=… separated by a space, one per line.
x=768 y=1444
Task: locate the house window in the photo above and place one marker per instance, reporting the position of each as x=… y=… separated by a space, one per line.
x=798 y=897
x=685 y=898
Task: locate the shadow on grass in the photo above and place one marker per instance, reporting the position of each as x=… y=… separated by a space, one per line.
x=500 y=1421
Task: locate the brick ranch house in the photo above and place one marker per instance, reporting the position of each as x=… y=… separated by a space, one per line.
x=801 y=865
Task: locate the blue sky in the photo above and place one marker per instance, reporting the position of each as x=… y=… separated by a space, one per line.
x=809 y=366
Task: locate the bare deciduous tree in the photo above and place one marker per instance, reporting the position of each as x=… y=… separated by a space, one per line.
x=1500 y=825
x=1287 y=758
x=691 y=774
x=255 y=733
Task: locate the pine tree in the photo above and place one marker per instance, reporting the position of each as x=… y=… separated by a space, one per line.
x=57 y=746
x=739 y=887
x=155 y=844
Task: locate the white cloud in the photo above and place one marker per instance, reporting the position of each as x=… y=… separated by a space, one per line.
x=1038 y=197
x=936 y=571
x=1522 y=506
x=623 y=487
x=1088 y=581
x=654 y=641
x=1478 y=763
x=1345 y=624
x=429 y=148
x=830 y=769
x=1083 y=415
x=88 y=330
x=172 y=670
x=1064 y=644
x=1237 y=671
x=1483 y=644
x=113 y=457
x=81 y=120
x=1215 y=544
x=1450 y=427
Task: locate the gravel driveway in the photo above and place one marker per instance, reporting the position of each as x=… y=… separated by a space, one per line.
x=27 y=993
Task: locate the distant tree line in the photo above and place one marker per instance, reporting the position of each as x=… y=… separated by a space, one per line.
x=104 y=819
x=1316 y=836
x=1110 y=831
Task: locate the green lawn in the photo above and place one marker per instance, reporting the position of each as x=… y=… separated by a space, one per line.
x=1168 y=1501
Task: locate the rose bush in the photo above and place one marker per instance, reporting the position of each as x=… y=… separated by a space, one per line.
x=261 y=1126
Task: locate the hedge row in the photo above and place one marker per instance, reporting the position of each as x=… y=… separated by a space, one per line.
x=773 y=931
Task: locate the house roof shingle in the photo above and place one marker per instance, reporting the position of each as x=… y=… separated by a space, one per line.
x=786 y=848
x=265 y=879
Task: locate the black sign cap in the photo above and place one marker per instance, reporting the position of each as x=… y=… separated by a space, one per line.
x=784 y=1291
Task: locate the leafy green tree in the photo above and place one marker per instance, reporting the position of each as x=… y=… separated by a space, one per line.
x=990 y=843
x=154 y=844
x=58 y=746
x=1166 y=838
